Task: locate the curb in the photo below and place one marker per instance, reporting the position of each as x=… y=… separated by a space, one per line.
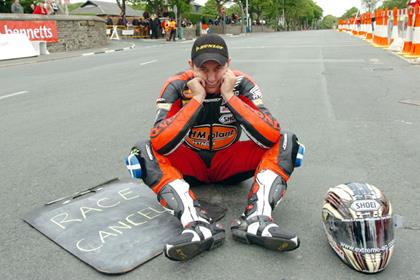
x=48 y=58
x=110 y=51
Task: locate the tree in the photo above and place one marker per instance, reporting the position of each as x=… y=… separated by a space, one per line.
x=210 y=9
x=183 y=6
x=400 y=4
x=328 y=22
x=370 y=5
x=350 y=13
x=5 y=6
x=258 y=7
x=154 y=6
x=121 y=4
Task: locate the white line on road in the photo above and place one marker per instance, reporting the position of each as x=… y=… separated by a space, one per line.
x=13 y=94
x=148 y=62
x=301 y=60
x=296 y=46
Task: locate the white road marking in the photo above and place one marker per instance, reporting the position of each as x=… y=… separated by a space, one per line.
x=301 y=60
x=148 y=62
x=13 y=94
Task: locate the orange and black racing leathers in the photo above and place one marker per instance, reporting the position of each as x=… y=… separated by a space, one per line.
x=200 y=142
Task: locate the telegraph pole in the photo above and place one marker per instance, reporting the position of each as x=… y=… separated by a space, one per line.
x=247 y=16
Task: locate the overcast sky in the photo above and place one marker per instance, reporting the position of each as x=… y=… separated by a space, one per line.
x=337 y=7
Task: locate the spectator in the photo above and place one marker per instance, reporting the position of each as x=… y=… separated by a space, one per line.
x=166 y=28
x=172 y=28
x=156 y=24
x=146 y=24
x=17 y=7
x=136 y=22
x=55 y=9
x=122 y=21
x=40 y=9
x=109 y=21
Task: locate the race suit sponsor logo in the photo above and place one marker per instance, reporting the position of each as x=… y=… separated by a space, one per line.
x=256 y=92
x=224 y=109
x=227 y=118
x=258 y=102
x=221 y=136
x=187 y=93
x=164 y=106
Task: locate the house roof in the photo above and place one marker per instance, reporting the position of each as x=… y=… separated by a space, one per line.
x=101 y=8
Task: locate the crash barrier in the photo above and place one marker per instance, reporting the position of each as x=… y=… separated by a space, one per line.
x=127 y=32
x=397 y=29
x=15 y=46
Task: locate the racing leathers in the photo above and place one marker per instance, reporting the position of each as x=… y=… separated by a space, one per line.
x=198 y=143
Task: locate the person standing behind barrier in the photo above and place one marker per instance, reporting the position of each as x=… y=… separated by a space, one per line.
x=40 y=9
x=17 y=7
x=172 y=28
x=166 y=28
x=109 y=21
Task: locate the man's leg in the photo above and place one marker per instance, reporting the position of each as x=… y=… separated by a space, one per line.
x=174 y=193
x=256 y=224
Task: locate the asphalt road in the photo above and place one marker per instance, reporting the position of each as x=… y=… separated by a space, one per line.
x=67 y=124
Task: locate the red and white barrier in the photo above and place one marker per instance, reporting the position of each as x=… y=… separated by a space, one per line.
x=380 y=38
x=396 y=41
x=415 y=46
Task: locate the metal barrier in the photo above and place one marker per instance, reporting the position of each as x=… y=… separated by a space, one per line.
x=127 y=32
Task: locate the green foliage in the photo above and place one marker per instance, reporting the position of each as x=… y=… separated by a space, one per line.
x=301 y=13
x=328 y=22
x=5 y=6
x=234 y=9
x=154 y=6
x=183 y=6
x=139 y=6
x=193 y=17
x=298 y=13
x=210 y=8
x=350 y=13
x=400 y=4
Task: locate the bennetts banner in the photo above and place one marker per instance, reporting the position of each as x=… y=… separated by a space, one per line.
x=34 y=30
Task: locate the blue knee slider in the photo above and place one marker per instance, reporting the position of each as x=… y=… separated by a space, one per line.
x=133 y=166
x=299 y=156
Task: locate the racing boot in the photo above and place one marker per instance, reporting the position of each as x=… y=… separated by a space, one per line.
x=199 y=233
x=256 y=226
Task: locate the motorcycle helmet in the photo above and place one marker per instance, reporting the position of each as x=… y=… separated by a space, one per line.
x=358 y=222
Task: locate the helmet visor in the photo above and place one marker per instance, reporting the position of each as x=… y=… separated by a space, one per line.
x=373 y=235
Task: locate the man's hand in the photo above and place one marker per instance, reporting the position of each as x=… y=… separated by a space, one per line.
x=228 y=84
x=197 y=87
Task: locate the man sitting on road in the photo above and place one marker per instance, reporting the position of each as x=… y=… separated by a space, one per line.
x=200 y=115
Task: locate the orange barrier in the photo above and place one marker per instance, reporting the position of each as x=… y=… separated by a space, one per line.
x=403 y=35
x=396 y=42
x=340 y=25
x=369 y=31
x=408 y=40
x=363 y=24
x=380 y=38
x=415 y=47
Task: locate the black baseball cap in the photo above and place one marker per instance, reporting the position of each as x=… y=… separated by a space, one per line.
x=209 y=47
